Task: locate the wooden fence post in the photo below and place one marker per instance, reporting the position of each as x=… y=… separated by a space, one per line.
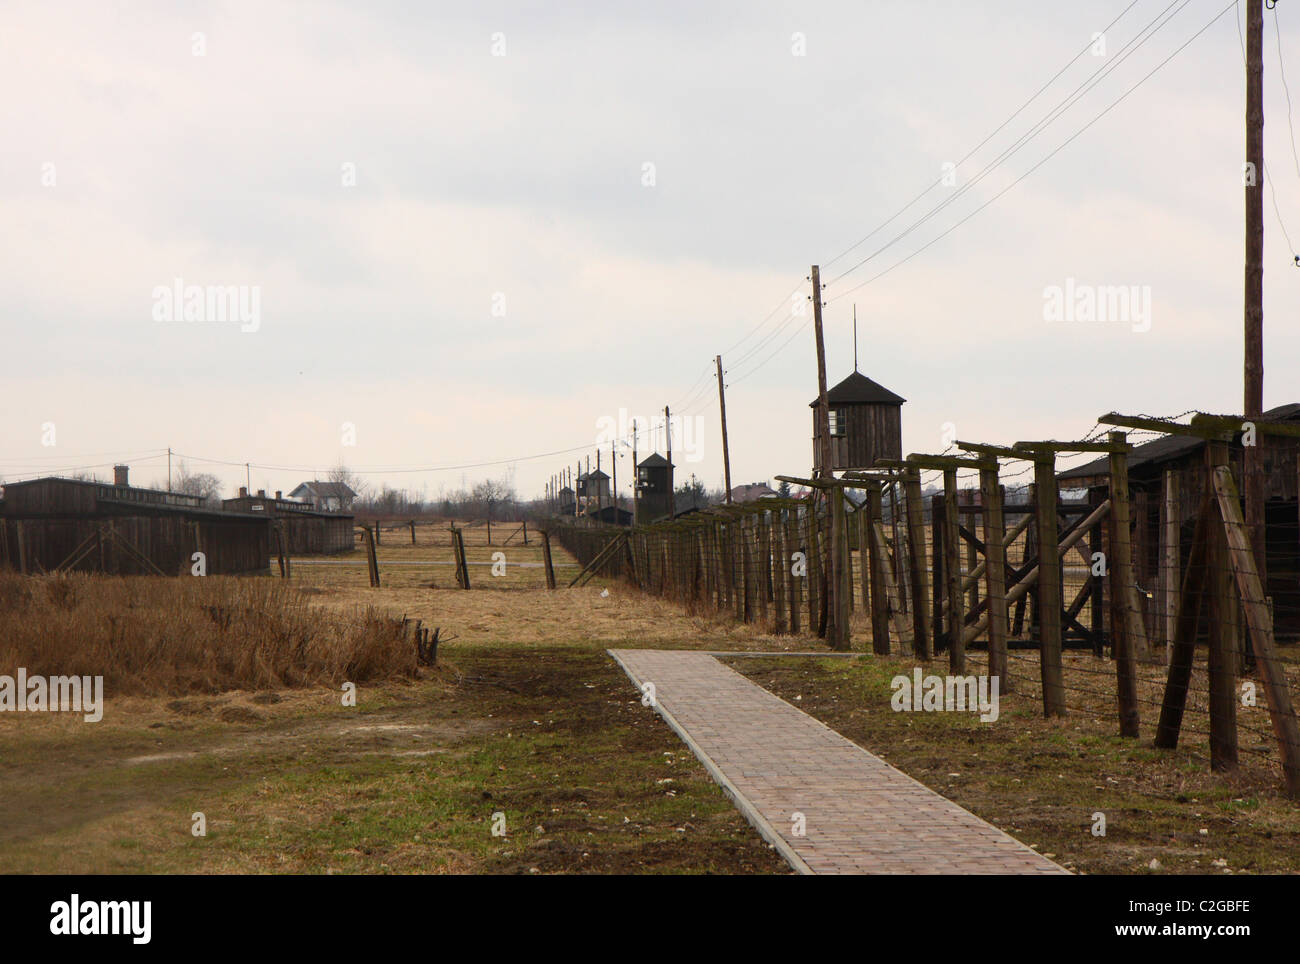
x=995 y=558
x=1049 y=586
x=938 y=587
x=916 y=540
x=872 y=550
x=546 y=558
x=791 y=581
x=372 y=563
x=952 y=572
x=1169 y=565
x=1119 y=569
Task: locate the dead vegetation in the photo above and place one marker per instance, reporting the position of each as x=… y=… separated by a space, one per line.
x=149 y=635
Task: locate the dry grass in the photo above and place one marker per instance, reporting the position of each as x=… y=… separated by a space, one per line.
x=168 y=635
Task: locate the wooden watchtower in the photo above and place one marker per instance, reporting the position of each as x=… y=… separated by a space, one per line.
x=654 y=484
x=866 y=424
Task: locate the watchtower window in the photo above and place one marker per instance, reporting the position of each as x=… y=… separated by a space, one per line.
x=836 y=422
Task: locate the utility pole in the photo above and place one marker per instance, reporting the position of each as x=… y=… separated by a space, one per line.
x=835 y=633
x=672 y=485
x=613 y=471
x=855 y=348
x=248 y=479
x=169 y=468
x=1252 y=468
x=636 y=478
x=726 y=453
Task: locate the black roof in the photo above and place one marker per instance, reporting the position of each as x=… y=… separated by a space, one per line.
x=597 y=474
x=1167 y=448
x=653 y=461
x=858 y=389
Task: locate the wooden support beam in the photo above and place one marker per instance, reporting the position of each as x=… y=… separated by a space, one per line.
x=1260 y=622
x=1225 y=640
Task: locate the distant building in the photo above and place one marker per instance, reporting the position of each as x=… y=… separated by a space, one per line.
x=325 y=496
x=753 y=492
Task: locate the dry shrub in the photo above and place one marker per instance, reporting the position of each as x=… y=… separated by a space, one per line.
x=166 y=635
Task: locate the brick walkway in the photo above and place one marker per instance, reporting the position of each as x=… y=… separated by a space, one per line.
x=862 y=815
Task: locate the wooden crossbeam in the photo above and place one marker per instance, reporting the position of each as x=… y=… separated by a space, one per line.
x=1161 y=425
x=1237 y=423
x=1052 y=447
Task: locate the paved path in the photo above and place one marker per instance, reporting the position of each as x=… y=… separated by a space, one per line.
x=862 y=815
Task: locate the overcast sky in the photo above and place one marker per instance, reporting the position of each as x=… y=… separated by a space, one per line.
x=388 y=174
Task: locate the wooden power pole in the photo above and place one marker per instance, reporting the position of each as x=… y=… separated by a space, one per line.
x=836 y=634
x=726 y=453
x=672 y=484
x=1252 y=467
x=636 y=478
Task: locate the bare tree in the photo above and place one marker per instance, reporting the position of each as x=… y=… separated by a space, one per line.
x=341 y=473
x=203 y=484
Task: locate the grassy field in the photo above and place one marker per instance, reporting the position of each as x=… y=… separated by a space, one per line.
x=526 y=717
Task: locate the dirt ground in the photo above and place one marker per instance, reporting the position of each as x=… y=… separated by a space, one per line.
x=552 y=748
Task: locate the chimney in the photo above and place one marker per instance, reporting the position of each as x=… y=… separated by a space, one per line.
x=278 y=495
x=119 y=475
x=243 y=492
x=261 y=493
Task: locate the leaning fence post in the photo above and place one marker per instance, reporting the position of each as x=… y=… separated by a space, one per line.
x=1225 y=640
x=372 y=564
x=546 y=557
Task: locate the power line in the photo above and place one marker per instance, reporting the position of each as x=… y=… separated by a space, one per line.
x=1056 y=151
x=977 y=147
x=1041 y=125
